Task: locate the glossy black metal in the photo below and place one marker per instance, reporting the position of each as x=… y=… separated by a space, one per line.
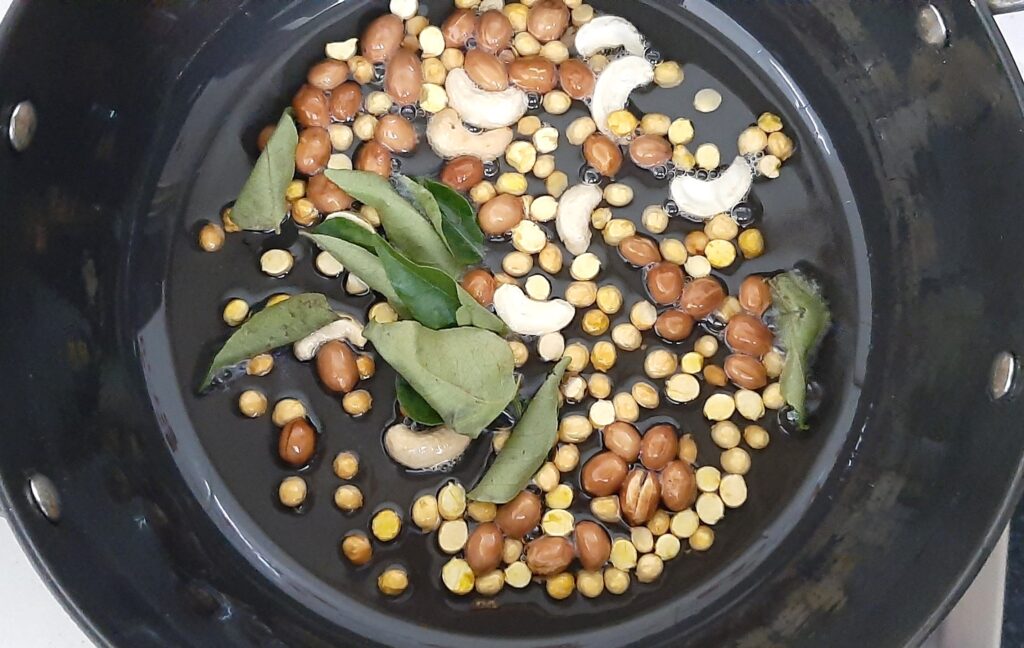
x=905 y=197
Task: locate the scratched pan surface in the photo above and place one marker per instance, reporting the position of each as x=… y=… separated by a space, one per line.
x=183 y=528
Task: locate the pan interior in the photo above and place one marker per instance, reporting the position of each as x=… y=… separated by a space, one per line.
x=231 y=462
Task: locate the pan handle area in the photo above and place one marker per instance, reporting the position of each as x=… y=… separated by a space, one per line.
x=1005 y=6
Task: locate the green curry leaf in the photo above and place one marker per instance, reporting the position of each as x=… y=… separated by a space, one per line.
x=527 y=447
x=458 y=223
x=465 y=374
x=422 y=200
x=274 y=326
x=333 y=238
x=406 y=228
x=471 y=313
x=429 y=293
x=413 y=404
x=803 y=320
x=261 y=203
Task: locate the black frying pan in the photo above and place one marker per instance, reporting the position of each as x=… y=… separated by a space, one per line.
x=903 y=200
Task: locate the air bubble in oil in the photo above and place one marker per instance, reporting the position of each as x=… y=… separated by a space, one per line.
x=714 y=325
x=653 y=56
x=671 y=208
x=396 y=165
x=533 y=101
x=409 y=112
x=473 y=129
x=744 y=215
x=491 y=168
x=378 y=72
x=589 y=175
x=470 y=43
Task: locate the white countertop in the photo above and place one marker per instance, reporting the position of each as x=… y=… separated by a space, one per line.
x=30 y=617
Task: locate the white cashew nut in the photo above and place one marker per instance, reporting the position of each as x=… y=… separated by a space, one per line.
x=346 y=328
x=609 y=32
x=702 y=199
x=572 y=219
x=350 y=216
x=481 y=108
x=425 y=450
x=450 y=139
x=613 y=87
x=527 y=316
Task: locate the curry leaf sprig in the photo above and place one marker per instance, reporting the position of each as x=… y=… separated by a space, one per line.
x=803 y=320
x=261 y=204
x=527 y=447
x=274 y=326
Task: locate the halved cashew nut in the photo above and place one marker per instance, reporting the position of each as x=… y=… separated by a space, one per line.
x=572 y=219
x=347 y=328
x=481 y=108
x=350 y=216
x=613 y=87
x=450 y=139
x=424 y=450
x=609 y=32
x=488 y=5
x=527 y=316
x=702 y=199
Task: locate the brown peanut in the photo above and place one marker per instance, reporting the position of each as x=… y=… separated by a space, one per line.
x=463 y=173
x=459 y=27
x=664 y=282
x=493 y=32
x=500 y=214
x=403 y=78
x=336 y=367
x=382 y=38
x=746 y=371
x=328 y=74
x=533 y=74
x=297 y=443
x=373 y=157
x=576 y=79
x=483 y=549
x=548 y=20
x=396 y=133
x=622 y=439
x=549 y=555
x=755 y=296
x=639 y=250
x=602 y=154
x=345 y=101
x=678 y=485
x=748 y=334
x=519 y=516
x=673 y=325
x=659 y=445
x=480 y=284
x=603 y=474
x=639 y=496
x=313 y=150
x=649 y=151
x=310 y=106
x=327 y=197
x=486 y=70
x=701 y=297
x=593 y=546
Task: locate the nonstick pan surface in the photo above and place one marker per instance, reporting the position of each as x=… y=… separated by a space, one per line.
x=839 y=519
x=804 y=222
